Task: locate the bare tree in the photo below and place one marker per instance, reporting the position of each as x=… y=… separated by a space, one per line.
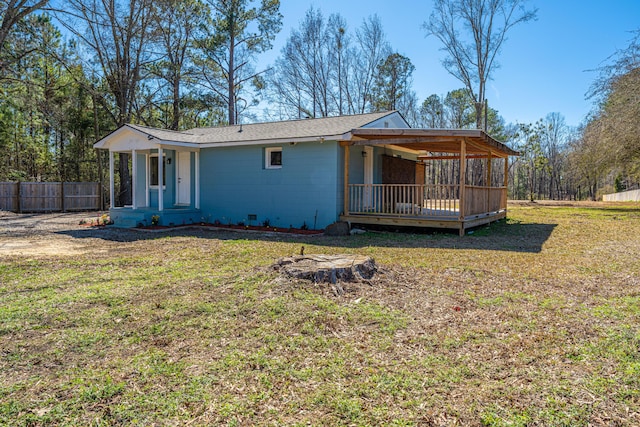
x=116 y=33
x=12 y=12
x=310 y=77
x=472 y=33
x=372 y=49
x=554 y=142
x=339 y=41
x=322 y=71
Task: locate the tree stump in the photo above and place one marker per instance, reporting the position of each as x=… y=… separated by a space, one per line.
x=328 y=268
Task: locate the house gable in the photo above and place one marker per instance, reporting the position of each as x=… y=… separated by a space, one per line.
x=392 y=121
x=127 y=139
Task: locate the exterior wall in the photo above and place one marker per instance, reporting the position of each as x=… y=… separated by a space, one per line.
x=236 y=184
x=356 y=163
x=140 y=181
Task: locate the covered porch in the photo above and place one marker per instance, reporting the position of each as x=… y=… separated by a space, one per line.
x=413 y=188
x=162 y=192
x=163 y=179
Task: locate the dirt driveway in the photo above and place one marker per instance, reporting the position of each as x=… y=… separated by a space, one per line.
x=55 y=234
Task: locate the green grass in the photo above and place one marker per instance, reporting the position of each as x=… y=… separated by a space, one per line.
x=531 y=321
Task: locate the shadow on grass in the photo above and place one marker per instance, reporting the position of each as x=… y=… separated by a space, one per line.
x=504 y=235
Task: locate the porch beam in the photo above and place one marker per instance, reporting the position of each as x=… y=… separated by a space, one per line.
x=134 y=173
x=160 y=179
x=112 y=182
x=197 y=174
x=452 y=157
x=398 y=141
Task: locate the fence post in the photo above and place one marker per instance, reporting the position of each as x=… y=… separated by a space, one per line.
x=62 y=197
x=19 y=196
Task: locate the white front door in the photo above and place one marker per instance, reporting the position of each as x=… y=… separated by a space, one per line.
x=368 y=176
x=184 y=178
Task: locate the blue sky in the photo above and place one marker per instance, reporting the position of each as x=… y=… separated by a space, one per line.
x=544 y=65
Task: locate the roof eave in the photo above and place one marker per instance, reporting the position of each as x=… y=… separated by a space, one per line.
x=275 y=141
x=378 y=136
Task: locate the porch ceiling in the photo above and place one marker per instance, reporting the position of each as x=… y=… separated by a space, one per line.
x=433 y=140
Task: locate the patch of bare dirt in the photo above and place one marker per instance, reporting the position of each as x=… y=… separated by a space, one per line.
x=44 y=234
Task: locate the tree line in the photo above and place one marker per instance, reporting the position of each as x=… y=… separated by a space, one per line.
x=73 y=71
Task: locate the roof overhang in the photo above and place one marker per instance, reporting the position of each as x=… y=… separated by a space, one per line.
x=127 y=138
x=421 y=141
x=277 y=141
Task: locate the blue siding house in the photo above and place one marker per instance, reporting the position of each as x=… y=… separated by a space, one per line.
x=309 y=172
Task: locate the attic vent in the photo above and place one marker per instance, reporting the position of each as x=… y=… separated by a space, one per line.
x=386 y=124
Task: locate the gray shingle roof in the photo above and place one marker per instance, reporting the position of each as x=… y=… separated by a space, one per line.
x=307 y=128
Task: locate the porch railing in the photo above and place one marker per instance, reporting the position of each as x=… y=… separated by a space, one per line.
x=479 y=200
x=404 y=199
x=418 y=200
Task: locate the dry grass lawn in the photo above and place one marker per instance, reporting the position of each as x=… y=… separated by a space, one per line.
x=531 y=321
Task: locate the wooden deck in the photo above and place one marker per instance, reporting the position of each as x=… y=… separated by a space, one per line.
x=430 y=206
x=451 y=223
x=468 y=202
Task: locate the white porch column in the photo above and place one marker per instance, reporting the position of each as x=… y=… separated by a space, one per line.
x=197 y=173
x=146 y=179
x=134 y=173
x=160 y=179
x=112 y=182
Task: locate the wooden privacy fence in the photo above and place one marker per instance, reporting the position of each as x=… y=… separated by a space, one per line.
x=625 y=196
x=49 y=196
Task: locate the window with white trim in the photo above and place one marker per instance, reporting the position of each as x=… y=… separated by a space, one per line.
x=273 y=158
x=153 y=171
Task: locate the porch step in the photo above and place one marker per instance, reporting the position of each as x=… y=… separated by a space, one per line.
x=125 y=222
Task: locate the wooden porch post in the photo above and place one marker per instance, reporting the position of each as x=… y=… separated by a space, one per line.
x=506 y=181
x=134 y=172
x=160 y=179
x=346 y=180
x=489 y=164
x=506 y=171
x=488 y=200
x=112 y=182
x=463 y=182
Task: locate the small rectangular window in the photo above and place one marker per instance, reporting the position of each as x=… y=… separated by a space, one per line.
x=153 y=171
x=273 y=158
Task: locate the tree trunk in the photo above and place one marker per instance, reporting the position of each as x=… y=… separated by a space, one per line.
x=479 y=107
x=231 y=78
x=328 y=268
x=125 y=180
x=175 y=123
